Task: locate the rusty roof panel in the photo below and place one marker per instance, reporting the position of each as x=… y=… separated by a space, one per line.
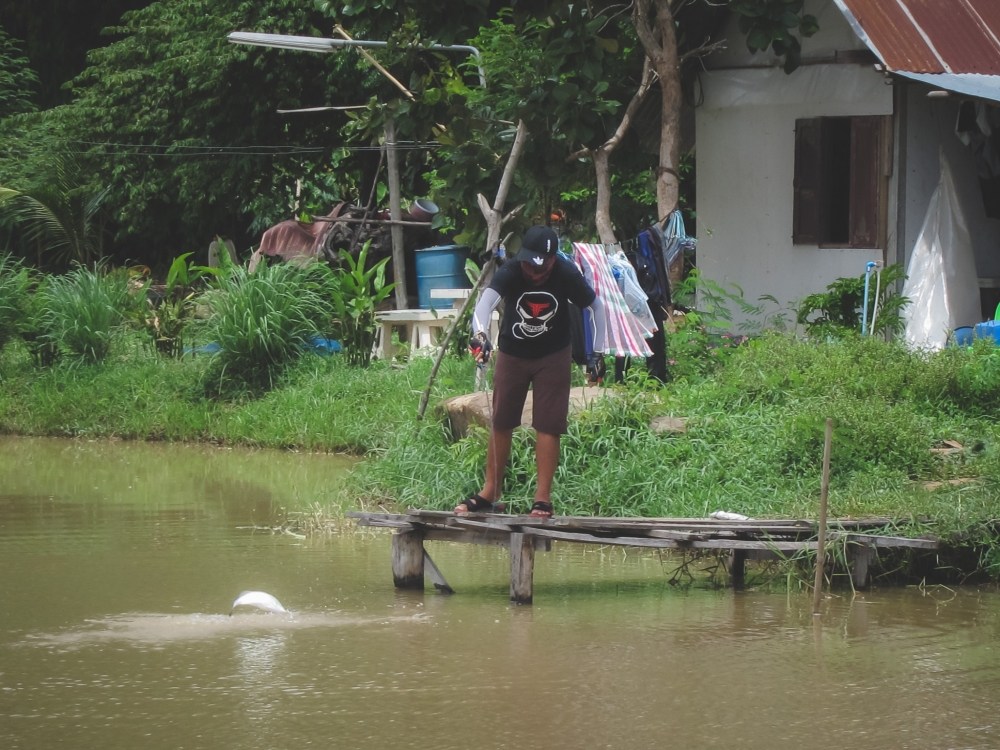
x=931 y=36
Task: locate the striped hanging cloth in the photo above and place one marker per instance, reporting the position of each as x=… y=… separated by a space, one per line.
x=625 y=335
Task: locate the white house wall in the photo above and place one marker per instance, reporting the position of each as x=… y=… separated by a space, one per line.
x=745 y=131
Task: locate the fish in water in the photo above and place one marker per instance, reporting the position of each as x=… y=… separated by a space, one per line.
x=258 y=600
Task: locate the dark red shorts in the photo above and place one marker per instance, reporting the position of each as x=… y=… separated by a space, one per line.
x=549 y=378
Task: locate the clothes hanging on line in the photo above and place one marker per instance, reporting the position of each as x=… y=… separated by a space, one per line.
x=676 y=243
x=624 y=334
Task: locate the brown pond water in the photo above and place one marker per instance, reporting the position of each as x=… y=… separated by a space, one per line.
x=119 y=563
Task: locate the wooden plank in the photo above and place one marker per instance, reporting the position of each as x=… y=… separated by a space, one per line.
x=629 y=541
x=619 y=541
x=468 y=536
x=755 y=544
x=686 y=536
x=377 y=523
x=893 y=541
x=858 y=558
x=699 y=533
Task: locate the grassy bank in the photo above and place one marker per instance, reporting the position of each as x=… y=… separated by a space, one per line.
x=916 y=437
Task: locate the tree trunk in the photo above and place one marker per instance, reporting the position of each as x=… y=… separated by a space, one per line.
x=655 y=29
x=601 y=157
x=602 y=212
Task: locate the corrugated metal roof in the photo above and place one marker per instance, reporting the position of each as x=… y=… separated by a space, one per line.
x=952 y=44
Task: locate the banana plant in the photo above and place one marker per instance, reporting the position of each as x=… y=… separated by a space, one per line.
x=169 y=309
x=357 y=293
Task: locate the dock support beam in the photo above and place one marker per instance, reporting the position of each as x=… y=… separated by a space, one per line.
x=408 y=560
x=859 y=558
x=737 y=568
x=522 y=567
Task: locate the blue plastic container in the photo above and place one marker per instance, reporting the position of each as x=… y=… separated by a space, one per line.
x=964 y=336
x=989 y=329
x=441 y=267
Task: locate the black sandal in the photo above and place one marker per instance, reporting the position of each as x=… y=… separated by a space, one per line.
x=541 y=509
x=476 y=503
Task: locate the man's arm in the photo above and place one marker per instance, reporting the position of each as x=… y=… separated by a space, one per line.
x=599 y=326
x=487 y=303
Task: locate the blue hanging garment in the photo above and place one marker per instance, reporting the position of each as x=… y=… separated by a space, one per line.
x=650 y=268
x=676 y=241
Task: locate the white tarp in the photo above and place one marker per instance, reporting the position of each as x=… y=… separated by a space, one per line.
x=941 y=282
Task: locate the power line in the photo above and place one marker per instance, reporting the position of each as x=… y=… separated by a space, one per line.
x=177 y=150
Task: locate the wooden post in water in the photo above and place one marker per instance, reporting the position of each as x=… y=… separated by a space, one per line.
x=408 y=560
x=824 y=493
x=860 y=555
x=522 y=567
x=737 y=568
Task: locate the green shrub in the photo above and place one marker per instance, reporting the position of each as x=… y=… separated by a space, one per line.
x=263 y=320
x=357 y=293
x=14 y=283
x=977 y=380
x=166 y=320
x=840 y=309
x=81 y=312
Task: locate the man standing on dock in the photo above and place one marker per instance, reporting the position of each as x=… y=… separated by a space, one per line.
x=534 y=350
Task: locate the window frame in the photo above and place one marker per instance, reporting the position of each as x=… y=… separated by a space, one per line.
x=860 y=219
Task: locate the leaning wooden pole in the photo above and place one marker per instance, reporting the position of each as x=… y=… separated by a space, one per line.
x=495 y=219
x=824 y=494
x=448 y=336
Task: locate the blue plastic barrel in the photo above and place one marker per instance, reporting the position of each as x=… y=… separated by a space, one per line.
x=441 y=267
x=989 y=329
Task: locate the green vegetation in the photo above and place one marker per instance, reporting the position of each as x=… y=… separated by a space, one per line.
x=839 y=310
x=358 y=292
x=82 y=311
x=916 y=438
x=915 y=435
x=262 y=320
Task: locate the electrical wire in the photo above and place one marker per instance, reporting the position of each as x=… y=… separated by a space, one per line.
x=175 y=151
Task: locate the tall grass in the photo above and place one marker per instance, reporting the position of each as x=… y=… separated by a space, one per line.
x=14 y=281
x=83 y=311
x=262 y=321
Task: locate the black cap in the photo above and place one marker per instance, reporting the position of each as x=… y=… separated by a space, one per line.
x=538 y=244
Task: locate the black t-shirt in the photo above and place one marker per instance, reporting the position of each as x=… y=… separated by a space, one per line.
x=536 y=319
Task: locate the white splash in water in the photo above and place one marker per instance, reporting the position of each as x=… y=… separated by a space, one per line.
x=258 y=600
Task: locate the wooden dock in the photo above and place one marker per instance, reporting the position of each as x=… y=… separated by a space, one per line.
x=524 y=535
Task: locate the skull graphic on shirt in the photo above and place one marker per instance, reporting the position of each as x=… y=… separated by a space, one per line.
x=535 y=312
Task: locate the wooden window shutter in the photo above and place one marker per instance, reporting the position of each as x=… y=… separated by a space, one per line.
x=866 y=180
x=807 y=183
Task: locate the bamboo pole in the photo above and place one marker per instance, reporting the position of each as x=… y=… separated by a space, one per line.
x=469 y=301
x=395 y=213
x=824 y=494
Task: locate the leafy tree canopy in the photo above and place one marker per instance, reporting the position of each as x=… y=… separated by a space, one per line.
x=18 y=82
x=183 y=127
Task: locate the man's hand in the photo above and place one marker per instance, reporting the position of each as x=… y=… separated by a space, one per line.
x=596 y=368
x=480 y=348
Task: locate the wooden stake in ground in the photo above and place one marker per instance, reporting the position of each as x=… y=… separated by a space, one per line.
x=824 y=493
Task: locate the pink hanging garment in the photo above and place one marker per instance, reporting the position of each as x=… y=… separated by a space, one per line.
x=624 y=333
